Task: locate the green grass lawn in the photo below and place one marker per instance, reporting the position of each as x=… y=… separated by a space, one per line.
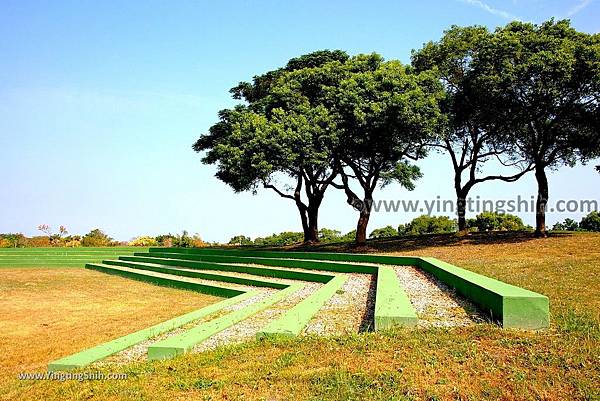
x=483 y=362
x=60 y=257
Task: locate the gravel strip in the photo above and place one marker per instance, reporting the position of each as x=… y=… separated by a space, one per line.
x=296 y=269
x=248 y=328
x=139 y=351
x=436 y=304
x=242 y=275
x=350 y=310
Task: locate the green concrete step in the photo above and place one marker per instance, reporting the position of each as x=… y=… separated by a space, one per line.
x=295 y=320
x=392 y=305
x=267 y=261
x=196 y=274
x=184 y=342
x=91 y=355
x=509 y=305
x=259 y=271
x=165 y=280
x=318 y=256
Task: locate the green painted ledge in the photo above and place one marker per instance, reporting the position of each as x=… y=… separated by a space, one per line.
x=509 y=305
x=275 y=261
x=259 y=271
x=294 y=320
x=331 y=256
x=91 y=355
x=184 y=342
x=392 y=305
x=166 y=281
x=197 y=274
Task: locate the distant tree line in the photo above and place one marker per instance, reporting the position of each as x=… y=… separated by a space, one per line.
x=95 y=238
x=422 y=225
x=591 y=222
x=483 y=222
x=524 y=96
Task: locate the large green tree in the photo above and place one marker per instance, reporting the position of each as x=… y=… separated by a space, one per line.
x=467 y=142
x=385 y=114
x=540 y=87
x=281 y=129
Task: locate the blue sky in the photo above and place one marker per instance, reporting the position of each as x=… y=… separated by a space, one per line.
x=101 y=101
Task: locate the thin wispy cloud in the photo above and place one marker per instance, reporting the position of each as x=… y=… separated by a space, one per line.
x=580 y=6
x=494 y=11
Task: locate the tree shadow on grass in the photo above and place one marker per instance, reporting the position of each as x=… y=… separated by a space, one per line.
x=418 y=242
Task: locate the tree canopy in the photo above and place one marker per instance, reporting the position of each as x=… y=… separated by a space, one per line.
x=468 y=143
x=540 y=88
x=524 y=96
x=282 y=129
x=386 y=113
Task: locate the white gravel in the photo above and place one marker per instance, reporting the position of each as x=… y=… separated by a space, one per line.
x=350 y=310
x=249 y=327
x=436 y=304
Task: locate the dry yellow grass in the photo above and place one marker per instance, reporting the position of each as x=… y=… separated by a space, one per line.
x=50 y=313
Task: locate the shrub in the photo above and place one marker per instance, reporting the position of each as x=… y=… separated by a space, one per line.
x=349 y=236
x=96 y=237
x=384 y=232
x=567 y=225
x=240 y=240
x=183 y=240
x=16 y=240
x=41 y=241
x=492 y=221
x=591 y=222
x=143 y=241
x=428 y=225
x=198 y=242
x=284 y=238
x=165 y=240
x=73 y=241
x=328 y=235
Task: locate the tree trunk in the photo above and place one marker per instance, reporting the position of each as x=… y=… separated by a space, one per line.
x=363 y=221
x=542 y=200
x=461 y=201
x=304 y=219
x=313 y=226
x=461 y=210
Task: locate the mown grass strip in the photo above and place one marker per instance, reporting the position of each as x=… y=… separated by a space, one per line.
x=165 y=281
x=196 y=274
x=258 y=271
x=60 y=250
x=57 y=259
x=295 y=320
x=392 y=305
x=90 y=355
x=184 y=342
